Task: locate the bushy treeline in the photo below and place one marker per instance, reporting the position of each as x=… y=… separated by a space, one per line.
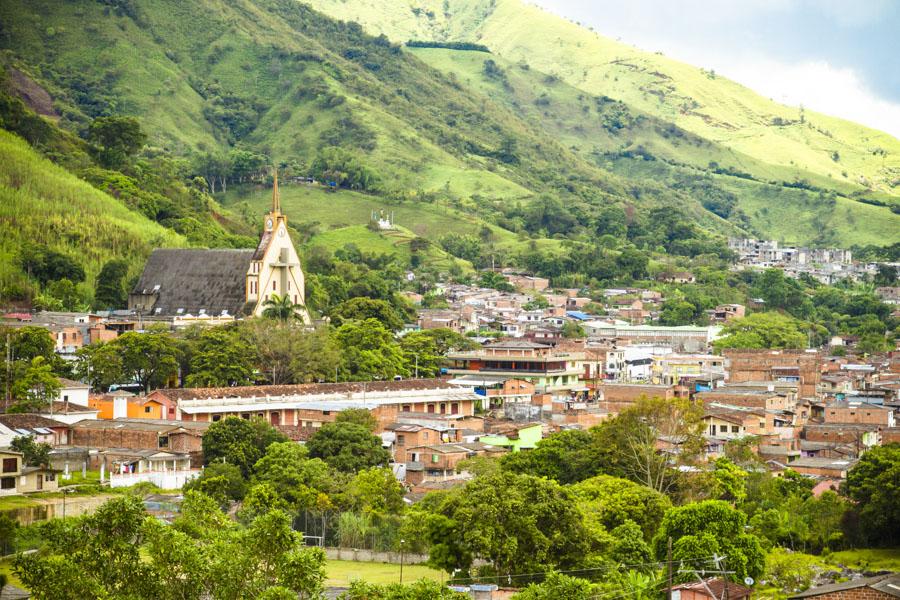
x=448 y=45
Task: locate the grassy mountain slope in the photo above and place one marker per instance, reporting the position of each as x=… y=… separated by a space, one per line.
x=44 y=204
x=620 y=139
x=279 y=77
x=714 y=107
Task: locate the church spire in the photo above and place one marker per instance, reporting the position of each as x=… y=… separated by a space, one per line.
x=276 y=199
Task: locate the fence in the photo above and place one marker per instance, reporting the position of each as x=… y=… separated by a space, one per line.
x=334 y=529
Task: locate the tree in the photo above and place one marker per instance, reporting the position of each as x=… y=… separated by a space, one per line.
x=360 y=416
x=730 y=481
x=361 y=309
x=556 y=585
x=611 y=502
x=46 y=264
x=676 y=311
x=316 y=357
x=29 y=342
x=517 y=523
x=109 y=291
x=281 y=308
x=573 y=330
x=93 y=556
x=221 y=358
x=276 y=345
x=886 y=276
x=633 y=263
x=149 y=358
x=763 y=330
x=347 y=447
x=376 y=491
x=420 y=590
x=36 y=388
x=874 y=484
x=9 y=528
x=566 y=456
x=99 y=365
x=702 y=529
x=298 y=479
x=369 y=351
x=632 y=436
x=36 y=454
x=229 y=480
x=115 y=139
x=239 y=442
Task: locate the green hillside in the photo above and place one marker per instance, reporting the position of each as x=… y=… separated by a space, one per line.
x=697 y=100
x=621 y=140
x=41 y=203
x=544 y=139
x=279 y=78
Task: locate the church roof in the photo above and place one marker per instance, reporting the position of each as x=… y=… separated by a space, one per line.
x=189 y=281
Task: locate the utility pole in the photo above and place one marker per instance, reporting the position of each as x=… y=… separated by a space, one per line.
x=6 y=396
x=669 y=568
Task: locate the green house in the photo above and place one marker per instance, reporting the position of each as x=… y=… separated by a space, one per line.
x=514 y=436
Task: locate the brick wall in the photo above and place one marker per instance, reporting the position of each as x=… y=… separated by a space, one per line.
x=757 y=365
x=869 y=415
x=862 y=593
x=115 y=438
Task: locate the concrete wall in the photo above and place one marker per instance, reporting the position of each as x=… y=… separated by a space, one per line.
x=373 y=556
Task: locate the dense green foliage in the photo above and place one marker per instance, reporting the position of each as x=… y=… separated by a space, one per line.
x=120 y=552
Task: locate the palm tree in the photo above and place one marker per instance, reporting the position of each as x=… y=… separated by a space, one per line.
x=281 y=308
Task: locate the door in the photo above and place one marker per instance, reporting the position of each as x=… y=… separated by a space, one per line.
x=275 y=418
x=40 y=480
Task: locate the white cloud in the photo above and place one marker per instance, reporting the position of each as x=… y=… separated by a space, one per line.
x=817 y=85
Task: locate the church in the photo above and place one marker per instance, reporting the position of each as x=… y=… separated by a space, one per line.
x=223 y=283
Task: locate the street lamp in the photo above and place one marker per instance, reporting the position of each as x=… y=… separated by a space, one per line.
x=401 y=561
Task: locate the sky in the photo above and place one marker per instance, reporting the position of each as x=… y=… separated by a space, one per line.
x=839 y=57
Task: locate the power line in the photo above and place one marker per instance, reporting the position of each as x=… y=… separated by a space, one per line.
x=701 y=560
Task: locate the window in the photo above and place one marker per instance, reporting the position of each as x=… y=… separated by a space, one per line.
x=326 y=412
x=425 y=435
x=443 y=408
x=434 y=458
x=65 y=397
x=50 y=477
x=163 y=441
x=735 y=429
x=406 y=408
x=401 y=440
x=454 y=408
x=10 y=465
x=8 y=483
x=723 y=428
x=146 y=409
x=273 y=285
x=245 y=416
x=289 y=285
x=216 y=418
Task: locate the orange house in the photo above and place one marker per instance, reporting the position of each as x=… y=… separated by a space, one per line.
x=120 y=404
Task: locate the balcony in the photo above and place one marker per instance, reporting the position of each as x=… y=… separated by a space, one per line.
x=167 y=480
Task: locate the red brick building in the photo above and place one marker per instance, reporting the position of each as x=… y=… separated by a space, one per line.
x=794 y=366
x=882 y=587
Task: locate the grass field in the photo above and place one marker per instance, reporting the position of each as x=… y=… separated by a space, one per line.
x=342 y=217
x=871 y=559
x=341 y=573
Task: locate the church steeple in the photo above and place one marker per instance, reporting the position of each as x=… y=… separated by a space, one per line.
x=275 y=215
x=276 y=199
